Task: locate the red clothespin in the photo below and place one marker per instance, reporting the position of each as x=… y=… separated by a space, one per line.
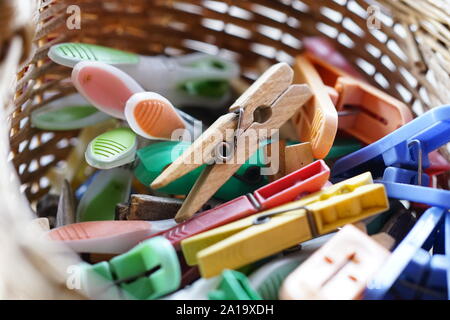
x=324 y=49
x=297 y=184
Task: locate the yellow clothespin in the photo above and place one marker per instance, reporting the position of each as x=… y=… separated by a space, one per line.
x=339 y=270
x=250 y=239
x=240 y=132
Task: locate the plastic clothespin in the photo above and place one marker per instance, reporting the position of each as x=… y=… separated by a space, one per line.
x=383 y=283
x=267 y=279
x=109 y=188
x=191 y=80
x=81 y=190
x=234 y=286
x=114 y=92
x=189 y=274
x=438 y=164
x=76 y=167
x=226 y=142
x=377 y=113
x=111 y=237
x=112 y=149
x=68 y=113
x=260 y=235
x=297 y=156
x=147 y=207
x=342 y=147
x=148 y=271
x=365 y=112
x=424 y=278
x=324 y=49
x=155 y=157
x=401 y=156
x=304 y=181
x=338 y=270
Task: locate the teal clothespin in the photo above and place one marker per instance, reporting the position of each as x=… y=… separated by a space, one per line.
x=234 y=286
x=343 y=147
x=148 y=271
x=156 y=157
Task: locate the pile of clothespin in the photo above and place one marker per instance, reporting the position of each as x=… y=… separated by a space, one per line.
x=246 y=207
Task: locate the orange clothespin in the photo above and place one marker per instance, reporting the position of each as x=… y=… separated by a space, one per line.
x=364 y=111
x=272 y=99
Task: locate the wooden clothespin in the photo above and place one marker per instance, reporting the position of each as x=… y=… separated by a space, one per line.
x=273 y=98
x=147 y=207
x=297 y=156
x=279 y=148
x=66 y=207
x=42 y=223
x=291 y=157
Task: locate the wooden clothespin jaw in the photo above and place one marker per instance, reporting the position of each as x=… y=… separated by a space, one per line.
x=66 y=207
x=240 y=132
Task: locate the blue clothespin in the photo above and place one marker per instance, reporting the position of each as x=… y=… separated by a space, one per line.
x=423 y=279
x=447 y=250
x=402 y=276
x=399 y=158
x=426 y=276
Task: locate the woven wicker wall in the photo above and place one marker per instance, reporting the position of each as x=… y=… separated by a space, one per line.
x=250 y=31
x=32 y=267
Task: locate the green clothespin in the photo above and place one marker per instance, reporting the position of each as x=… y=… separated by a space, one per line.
x=68 y=113
x=156 y=157
x=234 y=286
x=206 y=87
x=112 y=149
x=148 y=271
x=109 y=188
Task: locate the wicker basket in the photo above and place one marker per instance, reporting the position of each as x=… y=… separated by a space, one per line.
x=401 y=46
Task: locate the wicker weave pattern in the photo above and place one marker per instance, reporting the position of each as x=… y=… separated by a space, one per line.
x=32 y=267
x=251 y=31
